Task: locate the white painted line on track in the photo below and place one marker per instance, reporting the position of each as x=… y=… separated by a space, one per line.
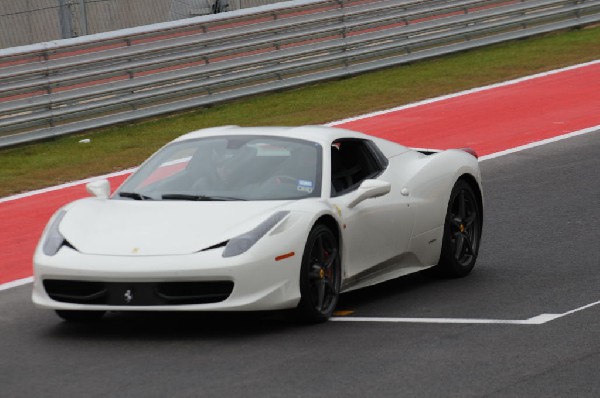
x=536 y=320
x=18 y=282
x=540 y=143
x=531 y=321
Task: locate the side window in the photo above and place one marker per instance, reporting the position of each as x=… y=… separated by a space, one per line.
x=352 y=162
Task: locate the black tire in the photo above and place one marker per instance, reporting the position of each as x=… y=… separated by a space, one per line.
x=320 y=276
x=462 y=232
x=80 y=316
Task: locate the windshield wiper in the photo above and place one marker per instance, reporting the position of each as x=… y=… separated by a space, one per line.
x=183 y=196
x=134 y=195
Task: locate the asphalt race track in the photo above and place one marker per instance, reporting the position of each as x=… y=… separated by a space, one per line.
x=540 y=255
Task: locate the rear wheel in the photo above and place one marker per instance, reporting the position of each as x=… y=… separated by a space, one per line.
x=320 y=276
x=80 y=316
x=462 y=232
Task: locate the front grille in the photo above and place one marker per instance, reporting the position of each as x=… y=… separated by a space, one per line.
x=138 y=293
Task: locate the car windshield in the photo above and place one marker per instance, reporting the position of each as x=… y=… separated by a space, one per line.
x=228 y=168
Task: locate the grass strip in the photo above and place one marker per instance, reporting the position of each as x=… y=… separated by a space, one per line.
x=64 y=159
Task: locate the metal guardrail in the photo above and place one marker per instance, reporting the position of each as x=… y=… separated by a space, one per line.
x=25 y=22
x=72 y=85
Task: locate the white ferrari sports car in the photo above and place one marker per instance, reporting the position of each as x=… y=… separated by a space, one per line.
x=261 y=218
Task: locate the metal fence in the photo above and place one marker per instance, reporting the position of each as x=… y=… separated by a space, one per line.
x=25 y=22
x=71 y=85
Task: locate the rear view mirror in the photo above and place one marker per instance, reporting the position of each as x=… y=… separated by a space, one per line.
x=99 y=189
x=369 y=189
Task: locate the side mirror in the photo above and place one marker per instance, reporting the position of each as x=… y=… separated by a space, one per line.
x=99 y=189
x=369 y=189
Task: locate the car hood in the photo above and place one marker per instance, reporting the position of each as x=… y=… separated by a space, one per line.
x=151 y=228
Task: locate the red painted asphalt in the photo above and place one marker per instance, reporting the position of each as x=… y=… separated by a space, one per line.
x=499 y=118
x=489 y=121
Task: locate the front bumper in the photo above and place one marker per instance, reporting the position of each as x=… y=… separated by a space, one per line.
x=259 y=281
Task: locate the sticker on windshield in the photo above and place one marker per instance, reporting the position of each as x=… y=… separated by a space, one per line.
x=305 y=186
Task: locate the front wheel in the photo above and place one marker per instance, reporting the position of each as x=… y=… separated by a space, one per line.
x=462 y=232
x=320 y=276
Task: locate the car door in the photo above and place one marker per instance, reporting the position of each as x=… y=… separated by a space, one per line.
x=376 y=231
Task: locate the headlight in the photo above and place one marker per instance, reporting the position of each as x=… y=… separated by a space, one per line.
x=54 y=240
x=240 y=244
